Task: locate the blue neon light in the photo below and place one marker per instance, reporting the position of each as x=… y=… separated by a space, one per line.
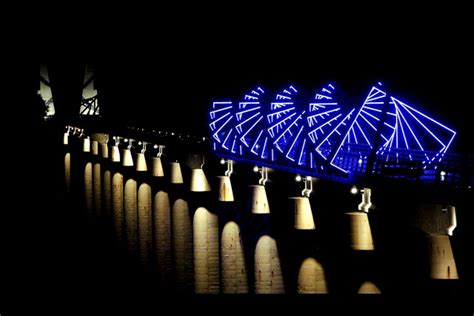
x=289 y=132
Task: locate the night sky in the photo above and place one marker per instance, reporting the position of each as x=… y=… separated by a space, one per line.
x=141 y=90
x=144 y=73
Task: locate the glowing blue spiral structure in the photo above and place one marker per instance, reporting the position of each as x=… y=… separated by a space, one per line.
x=322 y=137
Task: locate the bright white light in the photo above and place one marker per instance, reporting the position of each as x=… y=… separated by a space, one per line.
x=156 y=146
x=309 y=178
x=354 y=190
x=172 y=134
x=222 y=161
x=298 y=178
x=359 y=161
x=126 y=140
x=255 y=169
x=139 y=143
x=442 y=173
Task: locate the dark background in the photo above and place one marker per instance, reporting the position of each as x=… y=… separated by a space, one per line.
x=52 y=262
x=430 y=72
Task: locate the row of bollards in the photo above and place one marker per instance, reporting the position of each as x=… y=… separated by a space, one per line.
x=177 y=234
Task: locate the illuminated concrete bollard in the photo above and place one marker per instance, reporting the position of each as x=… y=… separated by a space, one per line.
x=182 y=232
x=162 y=235
x=131 y=215
x=206 y=239
x=144 y=213
x=441 y=258
x=206 y=252
x=117 y=205
x=268 y=274
x=144 y=224
x=312 y=278
x=97 y=189
x=97 y=177
x=88 y=178
x=107 y=192
x=182 y=245
x=106 y=181
x=234 y=272
x=67 y=172
x=88 y=188
x=225 y=189
x=259 y=200
x=303 y=213
x=360 y=232
x=311 y=274
x=130 y=204
x=368 y=287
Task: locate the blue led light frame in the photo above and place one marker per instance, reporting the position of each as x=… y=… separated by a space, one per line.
x=222 y=126
x=251 y=126
x=323 y=137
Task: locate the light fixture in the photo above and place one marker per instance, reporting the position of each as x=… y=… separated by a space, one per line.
x=226 y=193
x=354 y=190
x=66 y=136
x=442 y=175
x=452 y=220
x=366 y=204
